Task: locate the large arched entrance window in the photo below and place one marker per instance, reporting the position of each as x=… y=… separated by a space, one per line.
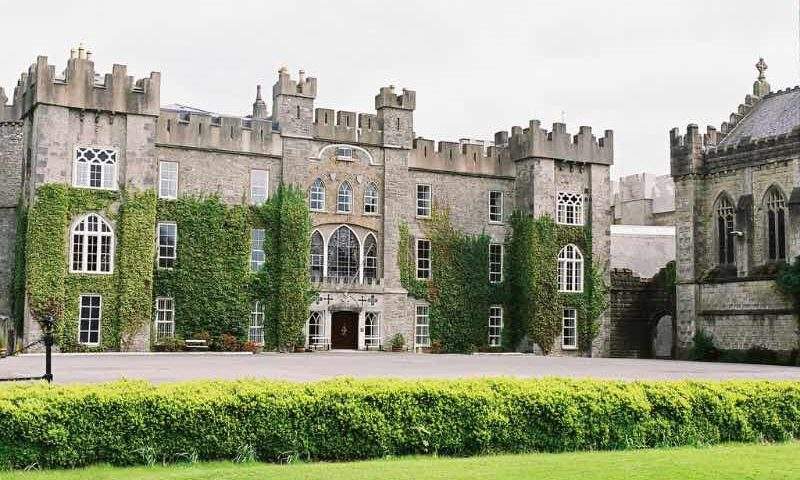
x=343 y=254
x=370 y=258
x=92 y=245
x=775 y=206
x=725 y=216
x=317 y=256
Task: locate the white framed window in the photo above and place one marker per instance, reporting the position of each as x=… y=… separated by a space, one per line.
x=371 y=199
x=423 y=201
x=95 y=168
x=422 y=327
x=370 y=258
x=167 y=244
x=259 y=186
x=569 y=330
x=423 y=259
x=257 y=256
x=256 y=332
x=495 y=206
x=168 y=180
x=372 y=329
x=165 y=318
x=344 y=199
x=317 y=256
x=570 y=269
x=569 y=208
x=495 y=262
x=495 y=325
x=92 y=245
x=89 y=316
x=316 y=329
x=316 y=196
x=345 y=153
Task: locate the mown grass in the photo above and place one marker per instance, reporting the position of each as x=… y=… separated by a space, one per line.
x=723 y=462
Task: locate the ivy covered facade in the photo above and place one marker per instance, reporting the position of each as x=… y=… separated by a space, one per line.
x=137 y=223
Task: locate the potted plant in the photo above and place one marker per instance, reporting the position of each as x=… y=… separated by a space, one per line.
x=398 y=342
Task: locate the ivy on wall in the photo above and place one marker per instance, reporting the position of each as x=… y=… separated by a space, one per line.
x=18 y=279
x=286 y=279
x=407 y=265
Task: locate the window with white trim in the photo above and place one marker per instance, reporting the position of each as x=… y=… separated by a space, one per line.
x=423 y=259
x=495 y=262
x=92 y=245
x=423 y=201
x=95 y=168
x=345 y=153
x=495 y=325
x=495 y=206
x=570 y=269
x=316 y=196
x=422 y=331
x=256 y=331
x=371 y=199
x=569 y=330
x=259 y=186
x=317 y=256
x=344 y=199
x=569 y=208
x=344 y=254
x=168 y=180
x=89 y=316
x=257 y=256
x=372 y=329
x=370 y=258
x=165 y=318
x=167 y=244
x=316 y=329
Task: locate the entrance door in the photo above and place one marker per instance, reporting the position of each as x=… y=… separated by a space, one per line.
x=344 y=328
x=662 y=338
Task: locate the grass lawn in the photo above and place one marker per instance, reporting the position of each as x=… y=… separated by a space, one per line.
x=734 y=461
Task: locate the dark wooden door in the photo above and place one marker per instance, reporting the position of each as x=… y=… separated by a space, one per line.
x=344 y=330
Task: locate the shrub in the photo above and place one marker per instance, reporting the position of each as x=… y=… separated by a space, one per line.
x=173 y=344
x=128 y=423
x=703 y=347
x=228 y=343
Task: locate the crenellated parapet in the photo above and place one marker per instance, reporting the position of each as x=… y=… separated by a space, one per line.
x=347 y=127
x=465 y=157
x=80 y=87
x=302 y=87
x=536 y=142
x=217 y=132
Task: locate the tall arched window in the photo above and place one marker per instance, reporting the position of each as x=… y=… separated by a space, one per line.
x=370 y=258
x=316 y=196
x=570 y=269
x=344 y=201
x=317 y=256
x=775 y=205
x=92 y=245
x=725 y=217
x=343 y=254
x=371 y=199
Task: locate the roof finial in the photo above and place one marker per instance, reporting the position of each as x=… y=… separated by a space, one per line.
x=761 y=66
x=761 y=87
x=258 y=92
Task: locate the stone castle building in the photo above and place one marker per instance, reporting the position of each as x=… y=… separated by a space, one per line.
x=737 y=215
x=365 y=174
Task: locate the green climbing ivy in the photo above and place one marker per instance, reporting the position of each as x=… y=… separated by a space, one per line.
x=406 y=264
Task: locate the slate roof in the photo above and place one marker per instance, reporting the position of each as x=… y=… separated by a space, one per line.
x=775 y=114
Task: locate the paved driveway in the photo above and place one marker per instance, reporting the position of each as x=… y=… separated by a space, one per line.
x=313 y=366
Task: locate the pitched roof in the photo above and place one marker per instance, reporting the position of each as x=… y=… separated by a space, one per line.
x=775 y=114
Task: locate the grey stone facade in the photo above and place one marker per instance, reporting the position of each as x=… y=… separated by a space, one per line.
x=752 y=166
x=298 y=144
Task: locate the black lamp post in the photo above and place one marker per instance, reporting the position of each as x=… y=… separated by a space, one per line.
x=48 y=348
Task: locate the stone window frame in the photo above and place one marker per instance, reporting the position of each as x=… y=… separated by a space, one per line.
x=344 y=199
x=170 y=191
x=255 y=331
x=106 y=172
x=495 y=326
x=570 y=269
x=164 y=318
x=166 y=255
x=316 y=196
x=422 y=326
x=495 y=210
x=569 y=208
x=257 y=255
x=259 y=186
x=371 y=199
x=427 y=269
x=425 y=202
x=82 y=233
x=366 y=257
x=317 y=260
x=88 y=328
x=569 y=332
x=724 y=214
x=315 y=329
x=496 y=274
x=776 y=226
x=372 y=329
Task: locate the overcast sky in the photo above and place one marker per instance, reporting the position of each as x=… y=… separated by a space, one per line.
x=637 y=67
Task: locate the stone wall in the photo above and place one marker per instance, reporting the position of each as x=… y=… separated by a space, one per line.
x=11 y=153
x=642 y=249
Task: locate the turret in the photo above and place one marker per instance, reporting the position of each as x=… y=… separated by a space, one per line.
x=396 y=116
x=293 y=104
x=686 y=151
x=259 y=106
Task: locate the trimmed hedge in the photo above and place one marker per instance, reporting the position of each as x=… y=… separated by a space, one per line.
x=129 y=423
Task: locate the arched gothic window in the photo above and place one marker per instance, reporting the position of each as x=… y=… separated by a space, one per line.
x=316 y=196
x=317 y=256
x=570 y=269
x=775 y=204
x=371 y=199
x=370 y=258
x=92 y=245
x=725 y=217
x=344 y=201
x=343 y=254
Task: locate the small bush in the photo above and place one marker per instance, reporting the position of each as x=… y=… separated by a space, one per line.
x=173 y=344
x=127 y=423
x=703 y=347
x=228 y=343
